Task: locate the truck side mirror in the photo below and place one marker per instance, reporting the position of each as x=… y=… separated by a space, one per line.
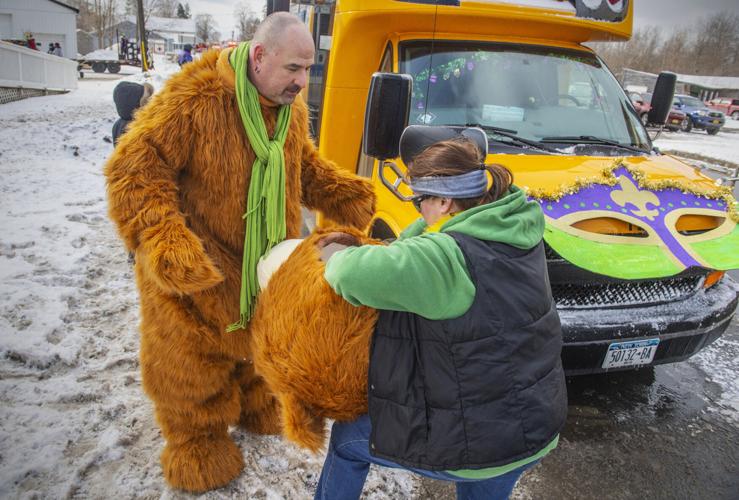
x=388 y=106
x=664 y=92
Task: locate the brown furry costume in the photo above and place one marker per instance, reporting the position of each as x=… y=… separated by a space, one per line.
x=177 y=185
x=311 y=346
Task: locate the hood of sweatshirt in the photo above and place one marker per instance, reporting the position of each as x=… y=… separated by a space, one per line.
x=127 y=97
x=511 y=219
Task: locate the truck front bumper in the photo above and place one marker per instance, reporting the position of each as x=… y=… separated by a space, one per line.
x=683 y=328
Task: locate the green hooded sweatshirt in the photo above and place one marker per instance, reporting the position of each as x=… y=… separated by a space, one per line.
x=425 y=272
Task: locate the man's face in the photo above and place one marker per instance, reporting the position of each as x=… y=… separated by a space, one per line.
x=283 y=68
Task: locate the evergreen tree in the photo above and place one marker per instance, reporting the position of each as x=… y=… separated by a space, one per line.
x=181 y=11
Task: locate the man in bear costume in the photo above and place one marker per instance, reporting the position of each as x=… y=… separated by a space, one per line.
x=210 y=175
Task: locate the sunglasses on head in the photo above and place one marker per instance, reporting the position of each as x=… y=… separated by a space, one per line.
x=417 y=200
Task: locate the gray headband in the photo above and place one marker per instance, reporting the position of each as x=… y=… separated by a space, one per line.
x=469 y=185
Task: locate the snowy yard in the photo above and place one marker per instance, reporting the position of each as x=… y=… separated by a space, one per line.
x=73 y=420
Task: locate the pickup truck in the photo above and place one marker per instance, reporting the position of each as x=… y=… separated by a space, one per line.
x=727 y=105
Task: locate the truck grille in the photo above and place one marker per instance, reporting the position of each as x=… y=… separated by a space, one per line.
x=624 y=293
x=591 y=291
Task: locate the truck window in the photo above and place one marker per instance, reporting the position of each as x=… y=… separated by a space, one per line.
x=536 y=91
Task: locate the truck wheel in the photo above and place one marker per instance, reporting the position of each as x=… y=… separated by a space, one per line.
x=98 y=67
x=686 y=125
x=644 y=119
x=113 y=67
x=735 y=115
x=712 y=131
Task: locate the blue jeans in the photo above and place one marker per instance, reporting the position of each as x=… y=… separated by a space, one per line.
x=348 y=460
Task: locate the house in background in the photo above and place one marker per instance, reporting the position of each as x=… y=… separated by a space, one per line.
x=164 y=34
x=703 y=87
x=175 y=32
x=50 y=21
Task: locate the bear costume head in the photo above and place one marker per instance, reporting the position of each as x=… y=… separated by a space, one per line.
x=308 y=343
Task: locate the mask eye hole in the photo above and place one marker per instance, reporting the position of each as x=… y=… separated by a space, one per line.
x=693 y=224
x=611 y=226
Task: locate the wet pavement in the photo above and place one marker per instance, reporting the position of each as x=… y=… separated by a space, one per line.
x=664 y=432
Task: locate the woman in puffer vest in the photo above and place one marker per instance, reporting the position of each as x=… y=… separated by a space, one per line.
x=465 y=378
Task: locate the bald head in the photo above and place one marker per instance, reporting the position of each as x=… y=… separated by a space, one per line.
x=280 y=56
x=278 y=28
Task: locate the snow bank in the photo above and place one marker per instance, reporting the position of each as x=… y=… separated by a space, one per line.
x=101 y=55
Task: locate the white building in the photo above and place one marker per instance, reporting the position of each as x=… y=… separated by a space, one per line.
x=175 y=32
x=49 y=21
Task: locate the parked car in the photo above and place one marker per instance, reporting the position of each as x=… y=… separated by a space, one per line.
x=676 y=120
x=727 y=105
x=641 y=105
x=700 y=115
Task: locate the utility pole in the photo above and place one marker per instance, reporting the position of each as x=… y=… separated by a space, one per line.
x=142 y=35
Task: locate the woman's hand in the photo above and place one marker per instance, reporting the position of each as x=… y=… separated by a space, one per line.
x=335 y=242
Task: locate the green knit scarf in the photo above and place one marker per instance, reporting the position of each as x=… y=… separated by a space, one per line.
x=265 y=209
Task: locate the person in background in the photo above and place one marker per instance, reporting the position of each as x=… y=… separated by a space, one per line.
x=128 y=97
x=124 y=47
x=58 y=50
x=465 y=377
x=30 y=41
x=186 y=55
x=51 y=49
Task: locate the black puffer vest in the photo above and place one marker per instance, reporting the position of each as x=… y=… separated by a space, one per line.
x=482 y=390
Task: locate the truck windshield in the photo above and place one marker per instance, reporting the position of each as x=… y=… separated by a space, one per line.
x=538 y=92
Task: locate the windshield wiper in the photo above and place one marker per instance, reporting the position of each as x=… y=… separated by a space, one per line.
x=591 y=139
x=511 y=134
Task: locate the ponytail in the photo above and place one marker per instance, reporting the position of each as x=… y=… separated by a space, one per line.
x=502 y=180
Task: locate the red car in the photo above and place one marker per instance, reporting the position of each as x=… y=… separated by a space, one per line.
x=729 y=106
x=676 y=120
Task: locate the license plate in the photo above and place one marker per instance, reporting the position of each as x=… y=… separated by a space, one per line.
x=675 y=121
x=716 y=121
x=635 y=353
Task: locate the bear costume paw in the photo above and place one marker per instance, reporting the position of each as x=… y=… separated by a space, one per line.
x=202 y=464
x=177 y=261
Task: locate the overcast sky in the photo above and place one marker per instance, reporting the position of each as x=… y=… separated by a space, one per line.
x=666 y=13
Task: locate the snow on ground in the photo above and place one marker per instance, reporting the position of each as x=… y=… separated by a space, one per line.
x=723 y=146
x=73 y=419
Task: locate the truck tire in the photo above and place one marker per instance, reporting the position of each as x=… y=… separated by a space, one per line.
x=686 y=125
x=644 y=117
x=113 y=67
x=712 y=131
x=735 y=115
x=98 y=67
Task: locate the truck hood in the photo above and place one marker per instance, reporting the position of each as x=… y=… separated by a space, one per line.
x=631 y=217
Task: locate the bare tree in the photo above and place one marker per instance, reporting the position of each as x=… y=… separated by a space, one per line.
x=674 y=53
x=205 y=28
x=104 y=15
x=165 y=8
x=716 y=45
x=707 y=48
x=246 y=21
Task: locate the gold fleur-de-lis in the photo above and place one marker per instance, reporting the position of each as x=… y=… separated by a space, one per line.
x=630 y=193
